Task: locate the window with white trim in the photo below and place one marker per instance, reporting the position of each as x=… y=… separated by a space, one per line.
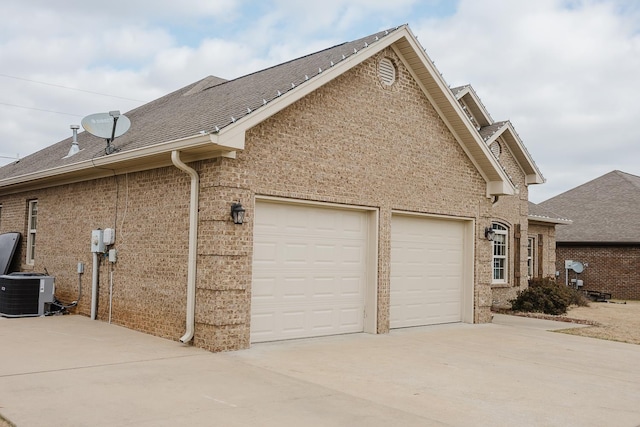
x=32 y=224
x=531 y=257
x=500 y=259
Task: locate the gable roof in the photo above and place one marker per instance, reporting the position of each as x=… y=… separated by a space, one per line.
x=503 y=130
x=209 y=118
x=604 y=210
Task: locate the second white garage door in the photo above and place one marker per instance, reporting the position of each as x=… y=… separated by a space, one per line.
x=309 y=271
x=427 y=271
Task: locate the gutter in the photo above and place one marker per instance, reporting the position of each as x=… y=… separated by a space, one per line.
x=193 y=245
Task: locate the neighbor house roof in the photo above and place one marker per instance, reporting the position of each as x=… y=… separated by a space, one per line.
x=604 y=210
x=209 y=118
x=539 y=214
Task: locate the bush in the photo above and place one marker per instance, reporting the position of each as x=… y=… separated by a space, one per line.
x=546 y=296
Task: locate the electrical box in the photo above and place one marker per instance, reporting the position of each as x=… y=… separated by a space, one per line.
x=568 y=263
x=113 y=255
x=80 y=268
x=109 y=236
x=97 y=242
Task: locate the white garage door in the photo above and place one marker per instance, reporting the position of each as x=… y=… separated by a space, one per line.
x=309 y=271
x=427 y=271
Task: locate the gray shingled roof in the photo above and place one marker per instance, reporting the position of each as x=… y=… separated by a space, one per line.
x=537 y=212
x=204 y=106
x=604 y=210
x=487 y=131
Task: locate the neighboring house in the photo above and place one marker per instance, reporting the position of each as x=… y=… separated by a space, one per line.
x=369 y=186
x=604 y=235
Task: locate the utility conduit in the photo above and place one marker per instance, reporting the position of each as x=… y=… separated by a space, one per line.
x=193 y=245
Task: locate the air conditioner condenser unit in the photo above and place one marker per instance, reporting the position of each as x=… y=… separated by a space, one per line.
x=26 y=294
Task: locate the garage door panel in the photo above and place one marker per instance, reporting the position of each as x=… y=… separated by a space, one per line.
x=263 y=288
x=313 y=262
x=427 y=262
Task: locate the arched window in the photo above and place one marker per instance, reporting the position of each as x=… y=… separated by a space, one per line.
x=500 y=245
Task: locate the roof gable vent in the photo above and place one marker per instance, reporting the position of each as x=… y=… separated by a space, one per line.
x=387 y=71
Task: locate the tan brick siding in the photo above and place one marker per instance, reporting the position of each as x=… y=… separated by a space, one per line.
x=353 y=142
x=548 y=255
x=510 y=211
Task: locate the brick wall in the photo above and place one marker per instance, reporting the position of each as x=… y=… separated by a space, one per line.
x=354 y=141
x=150 y=213
x=613 y=269
x=511 y=211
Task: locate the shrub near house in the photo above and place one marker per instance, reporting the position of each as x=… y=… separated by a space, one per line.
x=545 y=295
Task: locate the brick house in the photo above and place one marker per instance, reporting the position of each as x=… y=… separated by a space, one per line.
x=604 y=235
x=370 y=189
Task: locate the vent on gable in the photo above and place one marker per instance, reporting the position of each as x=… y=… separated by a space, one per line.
x=387 y=71
x=496 y=149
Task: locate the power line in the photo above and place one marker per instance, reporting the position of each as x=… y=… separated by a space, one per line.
x=69 y=88
x=40 y=109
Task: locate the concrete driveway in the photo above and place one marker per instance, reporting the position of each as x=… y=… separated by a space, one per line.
x=71 y=371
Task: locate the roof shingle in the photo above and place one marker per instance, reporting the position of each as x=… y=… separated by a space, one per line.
x=604 y=210
x=204 y=106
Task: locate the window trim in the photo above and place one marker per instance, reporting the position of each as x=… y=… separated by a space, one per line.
x=32 y=225
x=500 y=230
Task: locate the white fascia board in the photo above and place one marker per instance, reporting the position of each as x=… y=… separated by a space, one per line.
x=478 y=104
x=461 y=93
x=181 y=144
x=500 y=188
x=532 y=173
x=547 y=220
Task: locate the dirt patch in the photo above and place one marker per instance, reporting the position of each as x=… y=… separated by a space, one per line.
x=614 y=321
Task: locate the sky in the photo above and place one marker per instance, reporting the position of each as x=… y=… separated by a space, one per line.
x=565 y=72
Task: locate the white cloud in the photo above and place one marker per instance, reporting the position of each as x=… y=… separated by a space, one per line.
x=565 y=76
x=563 y=71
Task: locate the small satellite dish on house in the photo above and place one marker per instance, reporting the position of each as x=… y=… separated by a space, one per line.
x=108 y=126
x=577 y=266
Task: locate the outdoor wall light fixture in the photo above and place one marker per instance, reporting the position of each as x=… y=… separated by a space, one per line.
x=237 y=213
x=489 y=233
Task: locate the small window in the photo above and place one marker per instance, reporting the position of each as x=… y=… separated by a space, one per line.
x=31 y=232
x=387 y=71
x=531 y=257
x=500 y=245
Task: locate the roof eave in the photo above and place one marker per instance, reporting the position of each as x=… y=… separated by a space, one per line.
x=192 y=148
x=476 y=106
x=403 y=42
x=548 y=220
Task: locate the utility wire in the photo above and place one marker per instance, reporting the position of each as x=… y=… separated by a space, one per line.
x=40 y=109
x=67 y=87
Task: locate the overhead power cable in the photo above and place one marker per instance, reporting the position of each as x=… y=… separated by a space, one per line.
x=40 y=109
x=69 y=88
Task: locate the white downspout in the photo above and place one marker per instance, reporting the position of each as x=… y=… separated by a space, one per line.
x=94 y=286
x=193 y=245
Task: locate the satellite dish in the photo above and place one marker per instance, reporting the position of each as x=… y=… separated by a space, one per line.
x=108 y=126
x=101 y=125
x=577 y=266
